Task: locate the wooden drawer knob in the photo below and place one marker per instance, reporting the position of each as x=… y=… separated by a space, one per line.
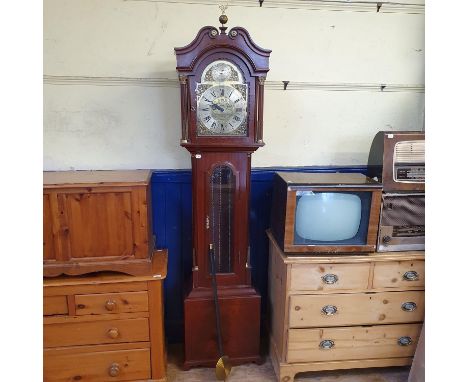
x=114 y=370
x=110 y=305
x=113 y=333
x=411 y=276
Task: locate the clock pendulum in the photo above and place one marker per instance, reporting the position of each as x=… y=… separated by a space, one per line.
x=222 y=77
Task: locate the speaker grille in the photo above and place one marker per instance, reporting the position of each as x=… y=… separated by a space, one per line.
x=403 y=210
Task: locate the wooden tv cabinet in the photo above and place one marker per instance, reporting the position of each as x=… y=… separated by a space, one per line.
x=97 y=221
x=106 y=326
x=342 y=312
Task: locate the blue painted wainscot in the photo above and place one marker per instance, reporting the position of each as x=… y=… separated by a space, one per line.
x=172 y=225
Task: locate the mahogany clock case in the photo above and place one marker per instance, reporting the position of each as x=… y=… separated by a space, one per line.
x=97 y=221
x=224 y=157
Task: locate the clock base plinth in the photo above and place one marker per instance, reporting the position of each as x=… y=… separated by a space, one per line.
x=240 y=320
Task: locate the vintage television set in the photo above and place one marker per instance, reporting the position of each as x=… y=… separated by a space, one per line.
x=397 y=159
x=325 y=213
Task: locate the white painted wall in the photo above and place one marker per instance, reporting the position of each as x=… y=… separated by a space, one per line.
x=111 y=99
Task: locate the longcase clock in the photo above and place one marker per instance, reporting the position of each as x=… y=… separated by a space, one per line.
x=222 y=77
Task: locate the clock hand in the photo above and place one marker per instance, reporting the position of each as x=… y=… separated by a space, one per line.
x=217 y=107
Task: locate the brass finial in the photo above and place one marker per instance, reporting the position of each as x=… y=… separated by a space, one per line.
x=223 y=8
x=223 y=19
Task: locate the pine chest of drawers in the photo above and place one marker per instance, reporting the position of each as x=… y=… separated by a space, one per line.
x=340 y=312
x=105 y=327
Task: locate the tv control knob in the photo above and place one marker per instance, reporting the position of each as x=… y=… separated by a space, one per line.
x=386 y=239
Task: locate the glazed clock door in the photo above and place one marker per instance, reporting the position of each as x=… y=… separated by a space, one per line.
x=224 y=217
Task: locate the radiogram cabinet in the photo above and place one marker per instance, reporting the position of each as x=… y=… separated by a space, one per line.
x=340 y=312
x=97 y=221
x=105 y=327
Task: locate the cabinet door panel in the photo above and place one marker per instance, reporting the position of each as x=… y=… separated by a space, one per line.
x=221 y=187
x=99 y=224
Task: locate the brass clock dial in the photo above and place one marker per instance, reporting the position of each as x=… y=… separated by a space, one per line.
x=221 y=101
x=222 y=109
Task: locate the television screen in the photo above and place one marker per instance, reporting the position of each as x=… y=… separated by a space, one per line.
x=331 y=217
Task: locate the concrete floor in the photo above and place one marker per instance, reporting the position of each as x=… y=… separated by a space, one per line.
x=265 y=373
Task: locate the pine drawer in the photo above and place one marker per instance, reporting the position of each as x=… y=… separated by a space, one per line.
x=329 y=277
x=53 y=305
x=96 y=332
x=104 y=303
x=97 y=364
x=355 y=309
x=399 y=274
x=331 y=344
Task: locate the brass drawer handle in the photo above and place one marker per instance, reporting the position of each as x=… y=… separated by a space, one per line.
x=329 y=310
x=409 y=306
x=113 y=333
x=327 y=344
x=330 y=278
x=405 y=341
x=110 y=305
x=114 y=369
x=411 y=276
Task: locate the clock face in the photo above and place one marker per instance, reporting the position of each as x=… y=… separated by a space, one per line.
x=222 y=109
x=221 y=101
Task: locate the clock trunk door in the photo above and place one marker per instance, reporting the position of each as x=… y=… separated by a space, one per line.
x=224 y=217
